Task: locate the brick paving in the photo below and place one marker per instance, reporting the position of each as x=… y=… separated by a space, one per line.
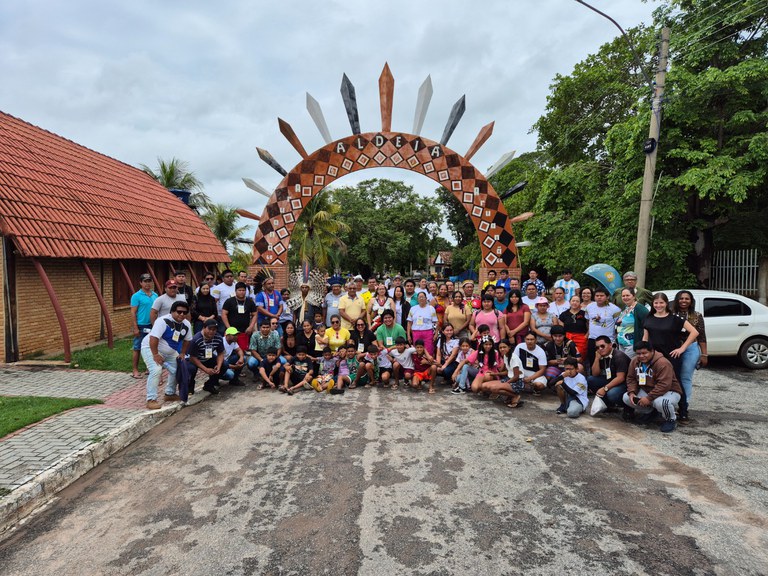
x=37 y=448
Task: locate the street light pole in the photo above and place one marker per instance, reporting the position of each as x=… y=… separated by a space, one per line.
x=651 y=149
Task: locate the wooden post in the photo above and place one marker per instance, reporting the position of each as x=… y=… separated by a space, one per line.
x=159 y=289
x=56 y=308
x=127 y=277
x=102 y=303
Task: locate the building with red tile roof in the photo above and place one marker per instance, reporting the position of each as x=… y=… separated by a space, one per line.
x=78 y=228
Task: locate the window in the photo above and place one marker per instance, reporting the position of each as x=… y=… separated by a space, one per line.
x=719 y=307
x=121 y=292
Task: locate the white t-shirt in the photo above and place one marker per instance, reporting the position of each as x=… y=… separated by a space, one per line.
x=531 y=302
x=229 y=348
x=557 y=309
x=405 y=358
x=532 y=360
x=602 y=320
x=513 y=362
x=578 y=385
x=221 y=292
x=423 y=318
x=163 y=303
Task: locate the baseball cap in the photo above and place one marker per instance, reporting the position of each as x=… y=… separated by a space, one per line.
x=170 y=283
x=542 y=300
x=358 y=277
x=231 y=330
x=210 y=322
x=145 y=277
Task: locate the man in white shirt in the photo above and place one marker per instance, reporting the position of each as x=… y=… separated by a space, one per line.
x=531 y=296
x=602 y=315
x=162 y=304
x=222 y=292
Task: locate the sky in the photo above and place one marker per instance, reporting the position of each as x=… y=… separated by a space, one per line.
x=206 y=81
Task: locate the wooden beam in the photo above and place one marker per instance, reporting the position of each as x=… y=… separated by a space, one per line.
x=102 y=303
x=56 y=308
x=159 y=288
x=192 y=273
x=131 y=287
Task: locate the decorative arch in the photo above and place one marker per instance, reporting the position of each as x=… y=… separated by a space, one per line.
x=386 y=148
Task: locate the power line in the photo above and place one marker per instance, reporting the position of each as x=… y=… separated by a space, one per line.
x=739 y=17
x=714 y=22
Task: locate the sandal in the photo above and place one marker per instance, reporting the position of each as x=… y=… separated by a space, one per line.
x=260 y=387
x=283 y=389
x=352 y=386
x=394 y=387
x=431 y=390
x=517 y=404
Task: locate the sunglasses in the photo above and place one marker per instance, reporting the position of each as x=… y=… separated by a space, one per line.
x=360 y=325
x=182 y=312
x=601 y=346
x=335 y=322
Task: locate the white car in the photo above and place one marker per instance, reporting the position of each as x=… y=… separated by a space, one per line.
x=735 y=325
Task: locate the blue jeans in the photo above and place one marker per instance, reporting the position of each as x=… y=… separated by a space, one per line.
x=688 y=362
x=613 y=397
x=449 y=370
x=155 y=370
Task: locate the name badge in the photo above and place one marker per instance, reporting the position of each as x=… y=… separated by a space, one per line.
x=176 y=335
x=271 y=302
x=241 y=308
x=419 y=321
x=208 y=352
x=641 y=378
x=334 y=304
x=608 y=373
x=360 y=347
x=389 y=340
x=529 y=363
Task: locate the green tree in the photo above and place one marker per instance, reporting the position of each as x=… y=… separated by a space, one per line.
x=390 y=226
x=176 y=174
x=315 y=238
x=224 y=223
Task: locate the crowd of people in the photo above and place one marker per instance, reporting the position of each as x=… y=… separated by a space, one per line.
x=632 y=350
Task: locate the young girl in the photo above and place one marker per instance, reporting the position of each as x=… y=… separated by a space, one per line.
x=342 y=377
x=326 y=373
x=510 y=382
x=465 y=348
x=447 y=350
x=486 y=359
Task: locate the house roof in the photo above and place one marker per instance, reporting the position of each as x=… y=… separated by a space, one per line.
x=443 y=257
x=59 y=199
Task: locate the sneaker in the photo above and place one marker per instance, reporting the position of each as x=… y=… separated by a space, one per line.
x=171 y=398
x=455 y=390
x=643 y=419
x=561 y=409
x=683 y=420
x=153 y=405
x=668 y=426
x=211 y=389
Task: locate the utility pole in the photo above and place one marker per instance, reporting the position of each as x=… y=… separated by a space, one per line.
x=651 y=149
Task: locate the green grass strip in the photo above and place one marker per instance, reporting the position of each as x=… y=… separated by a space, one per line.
x=102 y=358
x=19 y=411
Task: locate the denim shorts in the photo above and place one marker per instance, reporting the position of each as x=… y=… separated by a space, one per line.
x=137 y=340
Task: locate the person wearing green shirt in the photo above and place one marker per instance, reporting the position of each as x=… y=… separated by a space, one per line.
x=388 y=333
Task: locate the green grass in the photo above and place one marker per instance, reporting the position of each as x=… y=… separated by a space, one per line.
x=19 y=411
x=102 y=358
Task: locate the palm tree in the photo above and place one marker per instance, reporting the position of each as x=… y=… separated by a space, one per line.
x=176 y=174
x=223 y=222
x=315 y=238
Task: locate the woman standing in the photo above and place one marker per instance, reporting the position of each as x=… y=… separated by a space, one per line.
x=402 y=307
x=587 y=297
x=542 y=322
x=489 y=316
x=629 y=325
x=422 y=323
x=662 y=329
x=376 y=305
x=458 y=315
x=205 y=307
x=441 y=303
x=684 y=306
x=576 y=325
x=518 y=317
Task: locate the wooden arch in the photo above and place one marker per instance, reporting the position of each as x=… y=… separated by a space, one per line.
x=386 y=149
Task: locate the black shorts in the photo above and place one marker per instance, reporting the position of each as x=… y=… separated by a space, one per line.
x=297 y=378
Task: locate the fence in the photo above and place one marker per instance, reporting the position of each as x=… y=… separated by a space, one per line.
x=736 y=271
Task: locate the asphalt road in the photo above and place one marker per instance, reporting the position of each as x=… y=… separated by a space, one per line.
x=384 y=482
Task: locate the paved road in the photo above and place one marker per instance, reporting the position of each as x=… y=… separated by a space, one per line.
x=382 y=482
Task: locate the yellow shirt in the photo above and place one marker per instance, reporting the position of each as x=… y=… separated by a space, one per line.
x=337 y=339
x=366 y=296
x=488 y=283
x=352 y=308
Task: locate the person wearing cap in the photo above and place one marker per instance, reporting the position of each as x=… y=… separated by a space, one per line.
x=533 y=278
x=568 y=284
x=234 y=358
x=542 y=321
x=162 y=304
x=468 y=286
x=169 y=337
x=240 y=312
x=206 y=354
x=642 y=295
x=332 y=299
x=141 y=320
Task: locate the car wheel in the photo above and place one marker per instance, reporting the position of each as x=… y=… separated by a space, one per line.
x=754 y=353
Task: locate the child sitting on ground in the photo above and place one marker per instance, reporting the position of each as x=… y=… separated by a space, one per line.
x=402 y=361
x=572 y=391
x=424 y=368
x=465 y=349
x=298 y=373
x=269 y=369
x=353 y=364
x=342 y=378
x=328 y=366
x=368 y=364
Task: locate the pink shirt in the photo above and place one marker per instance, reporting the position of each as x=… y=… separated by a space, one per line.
x=485 y=368
x=491 y=320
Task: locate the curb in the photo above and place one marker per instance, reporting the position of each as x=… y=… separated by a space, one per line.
x=40 y=490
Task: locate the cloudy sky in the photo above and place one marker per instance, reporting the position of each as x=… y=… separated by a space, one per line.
x=206 y=81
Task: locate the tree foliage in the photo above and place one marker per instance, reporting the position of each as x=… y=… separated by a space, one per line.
x=175 y=173
x=390 y=226
x=315 y=238
x=224 y=223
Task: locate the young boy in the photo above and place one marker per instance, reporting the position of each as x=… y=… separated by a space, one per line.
x=327 y=371
x=368 y=363
x=353 y=364
x=298 y=373
x=424 y=368
x=319 y=320
x=572 y=391
x=385 y=366
x=477 y=335
x=269 y=369
x=402 y=360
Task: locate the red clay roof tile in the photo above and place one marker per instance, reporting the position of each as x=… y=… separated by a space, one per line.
x=60 y=199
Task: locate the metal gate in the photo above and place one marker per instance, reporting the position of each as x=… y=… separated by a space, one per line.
x=736 y=271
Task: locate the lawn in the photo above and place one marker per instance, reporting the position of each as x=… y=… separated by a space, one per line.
x=102 y=358
x=19 y=411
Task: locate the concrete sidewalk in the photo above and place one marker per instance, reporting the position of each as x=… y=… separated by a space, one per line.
x=38 y=461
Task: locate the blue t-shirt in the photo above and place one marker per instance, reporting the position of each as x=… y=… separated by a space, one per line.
x=504 y=284
x=143 y=304
x=270 y=302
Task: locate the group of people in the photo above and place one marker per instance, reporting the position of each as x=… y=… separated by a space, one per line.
x=631 y=349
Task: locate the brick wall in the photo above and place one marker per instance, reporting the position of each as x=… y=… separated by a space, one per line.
x=38 y=329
